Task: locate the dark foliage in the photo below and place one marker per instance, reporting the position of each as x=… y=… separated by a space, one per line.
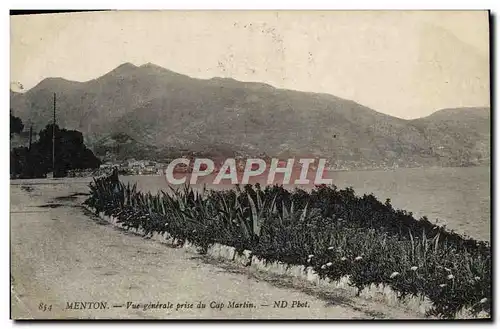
x=334 y=231
x=70 y=150
x=16 y=125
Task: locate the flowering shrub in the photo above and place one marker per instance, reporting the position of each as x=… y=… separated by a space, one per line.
x=334 y=231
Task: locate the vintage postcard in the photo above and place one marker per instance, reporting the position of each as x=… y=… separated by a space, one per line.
x=250 y=165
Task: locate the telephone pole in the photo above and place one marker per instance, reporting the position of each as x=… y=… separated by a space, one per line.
x=31 y=134
x=54 y=140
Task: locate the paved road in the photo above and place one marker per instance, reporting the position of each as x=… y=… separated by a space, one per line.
x=62 y=257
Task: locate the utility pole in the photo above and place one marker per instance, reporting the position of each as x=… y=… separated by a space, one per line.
x=31 y=134
x=54 y=140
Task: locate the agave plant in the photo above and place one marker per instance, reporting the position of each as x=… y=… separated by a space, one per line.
x=346 y=235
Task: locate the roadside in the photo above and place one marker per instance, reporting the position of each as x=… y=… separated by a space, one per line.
x=61 y=257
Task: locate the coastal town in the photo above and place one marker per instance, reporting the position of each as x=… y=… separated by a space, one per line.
x=151 y=167
x=147 y=167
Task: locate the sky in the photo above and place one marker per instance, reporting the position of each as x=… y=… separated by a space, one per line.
x=406 y=64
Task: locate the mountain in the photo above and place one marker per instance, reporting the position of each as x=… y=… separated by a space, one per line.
x=458 y=136
x=152 y=112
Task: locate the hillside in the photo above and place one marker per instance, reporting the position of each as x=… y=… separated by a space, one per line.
x=458 y=136
x=158 y=111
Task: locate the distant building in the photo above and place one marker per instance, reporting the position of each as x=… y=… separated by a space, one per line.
x=136 y=164
x=106 y=165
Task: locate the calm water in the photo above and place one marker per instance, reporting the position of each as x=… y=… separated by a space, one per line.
x=456 y=197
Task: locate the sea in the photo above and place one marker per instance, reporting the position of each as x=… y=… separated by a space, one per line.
x=459 y=197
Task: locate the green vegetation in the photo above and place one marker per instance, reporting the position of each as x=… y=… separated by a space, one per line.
x=334 y=231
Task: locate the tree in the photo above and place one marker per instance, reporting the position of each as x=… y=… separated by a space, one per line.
x=70 y=153
x=26 y=163
x=16 y=125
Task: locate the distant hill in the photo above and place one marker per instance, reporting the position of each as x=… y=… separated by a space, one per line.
x=151 y=112
x=458 y=136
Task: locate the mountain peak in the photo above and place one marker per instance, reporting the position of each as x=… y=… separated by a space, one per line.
x=157 y=68
x=153 y=69
x=152 y=66
x=163 y=110
x=124 y=68
x=55 y=84
x=126 y=65
x=460 y=113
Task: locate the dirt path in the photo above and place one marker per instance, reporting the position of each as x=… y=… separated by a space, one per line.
x=60 y=257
